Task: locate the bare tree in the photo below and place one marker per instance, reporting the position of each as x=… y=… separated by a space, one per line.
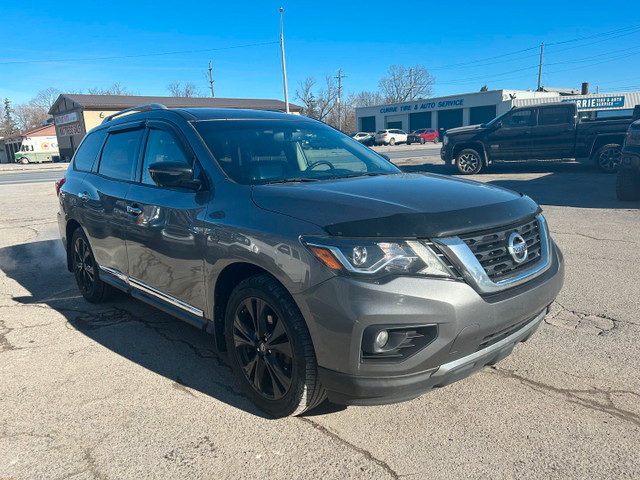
x=304 y=93
x=35 y=112
x=115 y=89
x=367 y=99
x=403 y=84
x=327 y=99
x=188 y=90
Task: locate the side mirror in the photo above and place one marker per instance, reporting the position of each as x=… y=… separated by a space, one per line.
x=174 y=174
x=499 y=124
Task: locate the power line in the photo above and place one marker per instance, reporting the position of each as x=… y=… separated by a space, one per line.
x=142 y=55
x=635 y=28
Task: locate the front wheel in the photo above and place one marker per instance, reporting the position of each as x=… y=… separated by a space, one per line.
x=392 y=141
x=24 y=160
x=608 y=157
x=468 y=162
x=270 y=349
x=408 y=142
x=421 y=141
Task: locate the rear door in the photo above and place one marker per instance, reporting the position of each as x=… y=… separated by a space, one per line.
x=164 y=240
x=512 y=140
x=104 y=212
x=554 y=134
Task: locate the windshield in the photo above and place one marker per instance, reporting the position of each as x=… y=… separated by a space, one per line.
x=255 y=152
x=491 y=122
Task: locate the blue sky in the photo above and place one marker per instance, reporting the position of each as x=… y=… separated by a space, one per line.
x=463 y=44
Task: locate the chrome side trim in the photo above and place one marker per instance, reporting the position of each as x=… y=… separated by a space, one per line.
x=474 y=273
x=148 y=289
x=444 y=369
x=119 y=275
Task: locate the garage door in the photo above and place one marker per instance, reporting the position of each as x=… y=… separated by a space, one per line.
x=419 y=120
x=449 y=119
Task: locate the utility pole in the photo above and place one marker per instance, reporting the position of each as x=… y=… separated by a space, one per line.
x=211 y=80
x=284 y=68
x=540 y=67
x=339 y=77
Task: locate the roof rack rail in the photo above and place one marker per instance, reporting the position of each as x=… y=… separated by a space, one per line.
x=140 y=108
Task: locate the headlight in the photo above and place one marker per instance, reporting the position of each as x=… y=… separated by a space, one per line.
x=373 y=258
x=633 y=137
x=445 y=140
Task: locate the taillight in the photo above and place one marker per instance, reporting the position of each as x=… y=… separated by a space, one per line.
x=59 y=184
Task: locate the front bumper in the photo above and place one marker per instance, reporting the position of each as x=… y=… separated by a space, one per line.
x=339 y=310
x=364 y=390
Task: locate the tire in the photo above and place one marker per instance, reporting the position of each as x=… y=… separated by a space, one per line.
x=277 y=369
x=392 y=141
x=468 y=162
x=421 y=141
x=435 y=140
x=607 y=158
x=24 y=160
x=628 y=185
x=408 y=142
x=85 y=270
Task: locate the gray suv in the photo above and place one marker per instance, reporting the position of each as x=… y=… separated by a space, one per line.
x=321 y=269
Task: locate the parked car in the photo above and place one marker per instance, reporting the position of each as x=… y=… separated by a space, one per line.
x=423 y=135
x=628 y=180
x=364 y=138
x=549 y=131
x=390 y=137
x=324 y=272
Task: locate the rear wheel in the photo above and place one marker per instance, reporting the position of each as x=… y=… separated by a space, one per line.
x=85 y=270
x=392 y=141
x=608 y=157
x=628 y=185
x=270 y=349
x=468 y=162
x=435 y=140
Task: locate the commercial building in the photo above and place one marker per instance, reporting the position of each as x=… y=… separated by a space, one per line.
x=76 y=114
x=38 y=141
x=453 y=111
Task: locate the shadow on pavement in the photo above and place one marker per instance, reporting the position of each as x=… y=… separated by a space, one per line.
x=138 y=332
x=568 y=184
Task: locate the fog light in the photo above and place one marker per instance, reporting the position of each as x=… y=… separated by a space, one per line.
x=381 y=338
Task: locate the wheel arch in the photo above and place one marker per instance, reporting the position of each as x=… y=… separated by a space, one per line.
x=602 y=140
x=72 y=226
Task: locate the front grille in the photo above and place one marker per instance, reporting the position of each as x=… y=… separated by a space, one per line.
x=490 y=248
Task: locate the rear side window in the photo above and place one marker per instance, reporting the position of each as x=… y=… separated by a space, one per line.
x=119 y=155
x=553 y=116
x=89 y=150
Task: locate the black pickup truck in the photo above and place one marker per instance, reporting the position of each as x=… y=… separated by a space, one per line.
x=539 y=132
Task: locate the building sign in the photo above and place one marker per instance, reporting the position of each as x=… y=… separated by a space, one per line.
x=66 y=118
x=597 y=102
x=68 y=130
x=423 y=105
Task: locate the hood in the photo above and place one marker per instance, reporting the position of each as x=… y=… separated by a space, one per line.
x=467 y=129
x=397 y=205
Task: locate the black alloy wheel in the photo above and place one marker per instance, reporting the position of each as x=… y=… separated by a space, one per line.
x=270 y=349
x=85 y=270
x=608 y=158
x=263 y=348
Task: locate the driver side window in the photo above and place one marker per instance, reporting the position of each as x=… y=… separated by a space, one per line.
x=521 y=118
x=161 y=147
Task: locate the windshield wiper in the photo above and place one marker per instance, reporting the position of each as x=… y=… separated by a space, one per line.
x=293 y=180
x=366 y=174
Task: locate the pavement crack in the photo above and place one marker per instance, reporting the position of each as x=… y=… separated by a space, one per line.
x=577 y=396
x=590 y=237
x=366 y=453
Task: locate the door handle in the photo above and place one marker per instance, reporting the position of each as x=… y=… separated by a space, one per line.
x=134 y=210
x=84 y=196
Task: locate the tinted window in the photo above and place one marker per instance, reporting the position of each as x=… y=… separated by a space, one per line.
x=521 y=118
x=553 y=116
x=119 y=155
x=161 y=147
x=89 y=150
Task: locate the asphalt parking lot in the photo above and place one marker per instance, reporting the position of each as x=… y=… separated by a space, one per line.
x=121 y=390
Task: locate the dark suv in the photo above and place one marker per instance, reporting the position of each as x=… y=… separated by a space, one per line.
x=628 y=180
x=322 y=269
